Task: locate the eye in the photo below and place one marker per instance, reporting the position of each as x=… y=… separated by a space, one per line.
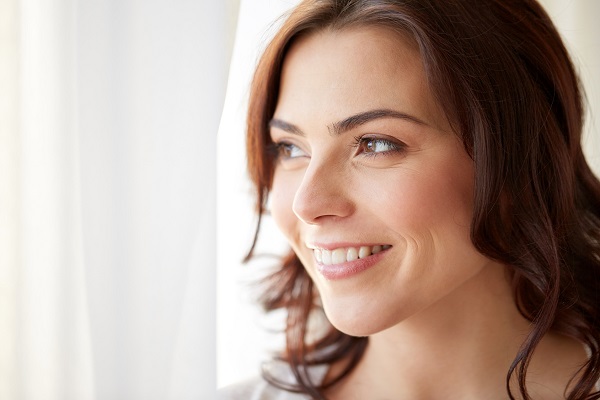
x=371 y=146
x=286 y=150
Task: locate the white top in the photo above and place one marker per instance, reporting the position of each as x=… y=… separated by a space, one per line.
x=259 y=389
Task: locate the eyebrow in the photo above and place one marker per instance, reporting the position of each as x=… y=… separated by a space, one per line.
x=337 y=128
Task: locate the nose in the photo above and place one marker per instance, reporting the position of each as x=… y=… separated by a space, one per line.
x=323 y=194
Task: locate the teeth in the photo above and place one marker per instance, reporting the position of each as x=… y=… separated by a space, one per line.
x=364 y=251
x=318 y=255
x=326 y=257
x=342 y=255
x=338 y=256
x=352 y=254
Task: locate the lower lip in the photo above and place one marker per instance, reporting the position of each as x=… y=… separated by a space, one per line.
x=350 y=268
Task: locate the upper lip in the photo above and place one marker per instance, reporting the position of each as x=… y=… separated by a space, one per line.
x=338 y=245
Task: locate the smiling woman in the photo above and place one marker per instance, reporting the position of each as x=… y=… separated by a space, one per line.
x=424 y=163
x=349 y=181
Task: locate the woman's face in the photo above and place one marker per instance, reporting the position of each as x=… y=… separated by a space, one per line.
x=371 y=188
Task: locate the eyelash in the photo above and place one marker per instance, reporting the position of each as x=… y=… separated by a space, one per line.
x=361 y=141
x=277 y=149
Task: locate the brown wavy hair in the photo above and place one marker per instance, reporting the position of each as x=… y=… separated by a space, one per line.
x=502 y=75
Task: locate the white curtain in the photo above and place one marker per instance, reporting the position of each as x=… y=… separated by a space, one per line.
x=245 y=337
x=108 y=117
x=577 y=21
x=242 y=339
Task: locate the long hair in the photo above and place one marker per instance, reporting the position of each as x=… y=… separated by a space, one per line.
x=502 y=75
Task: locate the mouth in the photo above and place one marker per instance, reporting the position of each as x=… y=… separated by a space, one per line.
x=343 y=255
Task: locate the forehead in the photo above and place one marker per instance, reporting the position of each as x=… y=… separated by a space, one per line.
x=333 y=73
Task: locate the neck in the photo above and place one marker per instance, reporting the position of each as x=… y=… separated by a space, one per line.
x=457 y=348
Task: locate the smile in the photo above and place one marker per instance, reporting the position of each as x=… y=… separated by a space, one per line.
x=346 y=254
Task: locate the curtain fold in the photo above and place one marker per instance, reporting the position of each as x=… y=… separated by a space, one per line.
x=9 y=198
x=239 y=354
x=577 y=23
x=108 y=116
x=48 y=337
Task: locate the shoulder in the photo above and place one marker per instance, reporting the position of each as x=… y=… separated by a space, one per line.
x=256 y=389
x=259 y=389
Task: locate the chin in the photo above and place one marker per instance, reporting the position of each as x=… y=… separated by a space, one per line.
x=357 y=323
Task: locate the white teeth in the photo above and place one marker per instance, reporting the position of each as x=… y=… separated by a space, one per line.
x=318 y=255
x=342 y=255
x=352 y=254
x=338 y=256
x=364 y=251
x=326 y=257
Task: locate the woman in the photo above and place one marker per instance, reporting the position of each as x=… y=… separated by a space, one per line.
x=423 y=160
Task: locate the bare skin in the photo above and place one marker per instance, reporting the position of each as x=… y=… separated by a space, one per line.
x=460 y=350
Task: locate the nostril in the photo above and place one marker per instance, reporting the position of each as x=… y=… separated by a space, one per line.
x=319 y=202
x=322 y=194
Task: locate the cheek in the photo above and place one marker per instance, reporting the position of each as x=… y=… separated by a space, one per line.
x=442 y=200
x=281 y=200
x=428 y=201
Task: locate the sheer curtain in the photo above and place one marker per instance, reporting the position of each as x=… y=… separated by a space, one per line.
x=108 y=119
x=245 y=336
x=578 y=24
x=242 y=338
